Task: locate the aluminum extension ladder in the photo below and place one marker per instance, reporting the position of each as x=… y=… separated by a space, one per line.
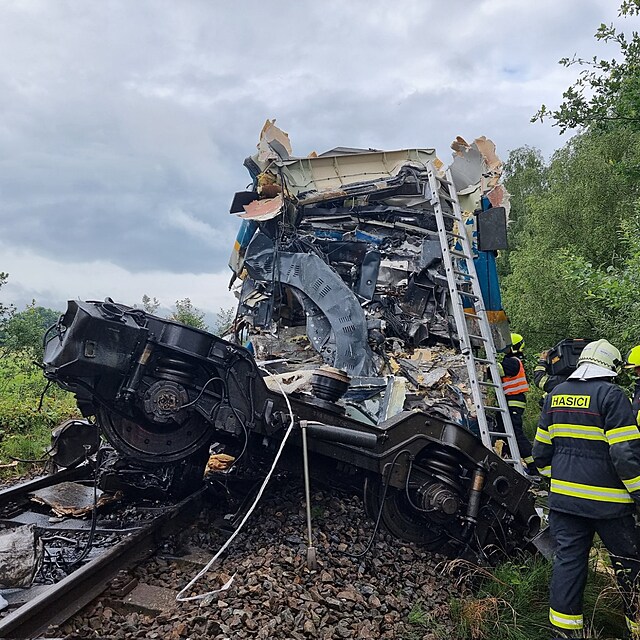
x=462 y=276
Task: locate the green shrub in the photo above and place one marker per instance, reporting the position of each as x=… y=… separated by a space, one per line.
x=26 y=421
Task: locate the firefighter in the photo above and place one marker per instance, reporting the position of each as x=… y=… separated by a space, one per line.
x=543 y=379
x=633 y=362
x=514 y=383
x=588 y=443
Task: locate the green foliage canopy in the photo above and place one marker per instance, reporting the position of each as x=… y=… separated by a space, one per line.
x=24 y=330
x=607 y=92
x=186 y=313
x=570 y=270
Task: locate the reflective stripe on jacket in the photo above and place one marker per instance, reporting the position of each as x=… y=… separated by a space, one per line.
x=517 y=383
x=544 y=380
x=588 y=443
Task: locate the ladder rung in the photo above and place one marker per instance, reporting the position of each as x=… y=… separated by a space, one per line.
x=442 y=194
x=468 y=294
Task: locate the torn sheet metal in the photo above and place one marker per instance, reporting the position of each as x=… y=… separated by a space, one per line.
x=261 y=210
x=274 y=143
x=20 y=553
x=71 y=498
x=342 y=267
x=330 y=177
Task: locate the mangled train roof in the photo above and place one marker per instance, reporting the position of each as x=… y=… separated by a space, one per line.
x=340 y=264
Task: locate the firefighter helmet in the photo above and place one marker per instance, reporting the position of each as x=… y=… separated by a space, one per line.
x=601 y=353
x=517 y=342
x=633 y=358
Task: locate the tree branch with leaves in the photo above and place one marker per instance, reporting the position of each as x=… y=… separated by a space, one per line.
x=607 y=92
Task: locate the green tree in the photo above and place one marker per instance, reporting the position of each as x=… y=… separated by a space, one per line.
x=525 y=178
x=224 y=321
x=611 y=291
x=607 y=92
x=5 y=310
x=186 y=313
x=24 y=330
x=150 y=305
x=571 y=270
x=26 y=421
x=577 y=212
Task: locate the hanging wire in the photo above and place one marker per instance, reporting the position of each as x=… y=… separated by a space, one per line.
x=206 y=598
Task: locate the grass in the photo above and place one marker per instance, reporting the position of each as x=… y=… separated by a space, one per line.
x=510 y=602
x=25 y=422
x=532 y=411
x=421 y=620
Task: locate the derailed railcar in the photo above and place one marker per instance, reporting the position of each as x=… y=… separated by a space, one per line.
x=343 y=330
x=163 y=392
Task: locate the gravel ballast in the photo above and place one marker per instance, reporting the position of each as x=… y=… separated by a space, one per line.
x=396 y=590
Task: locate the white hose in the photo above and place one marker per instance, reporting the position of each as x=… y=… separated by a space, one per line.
x=208 y=597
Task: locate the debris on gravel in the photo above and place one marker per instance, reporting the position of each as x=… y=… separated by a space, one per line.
x=395 y=590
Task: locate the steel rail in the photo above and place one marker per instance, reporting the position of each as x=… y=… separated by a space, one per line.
x=65 y=598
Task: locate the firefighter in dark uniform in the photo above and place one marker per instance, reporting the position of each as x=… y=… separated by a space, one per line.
x=543 y=379
x=588 y=444
x=633 y=362
x=515 y=386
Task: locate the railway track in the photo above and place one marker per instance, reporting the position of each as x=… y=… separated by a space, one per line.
x=79 y=556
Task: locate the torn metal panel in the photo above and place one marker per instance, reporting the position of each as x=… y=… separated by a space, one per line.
x=344 y=268
x=274 y=143
x=261 y=210
x=71 y=499
x=328 y=177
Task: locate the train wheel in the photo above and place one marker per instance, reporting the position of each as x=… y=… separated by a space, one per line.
x=400 y=518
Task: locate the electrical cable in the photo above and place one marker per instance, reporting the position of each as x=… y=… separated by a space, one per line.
x=44 y=391
x=241 y=422
x=206 y=384
x=206 y=597
x=384 y=495
x=94 y=515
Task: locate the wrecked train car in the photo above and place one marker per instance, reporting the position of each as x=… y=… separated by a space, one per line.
x=342 y=333
x=341 y=265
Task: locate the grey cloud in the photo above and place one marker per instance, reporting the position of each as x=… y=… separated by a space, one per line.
x=116 y=115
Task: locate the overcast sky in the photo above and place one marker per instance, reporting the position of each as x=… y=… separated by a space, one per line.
x=124 y=124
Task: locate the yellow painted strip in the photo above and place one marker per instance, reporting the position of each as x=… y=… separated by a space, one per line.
x=623 y=434
x=633 y=484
